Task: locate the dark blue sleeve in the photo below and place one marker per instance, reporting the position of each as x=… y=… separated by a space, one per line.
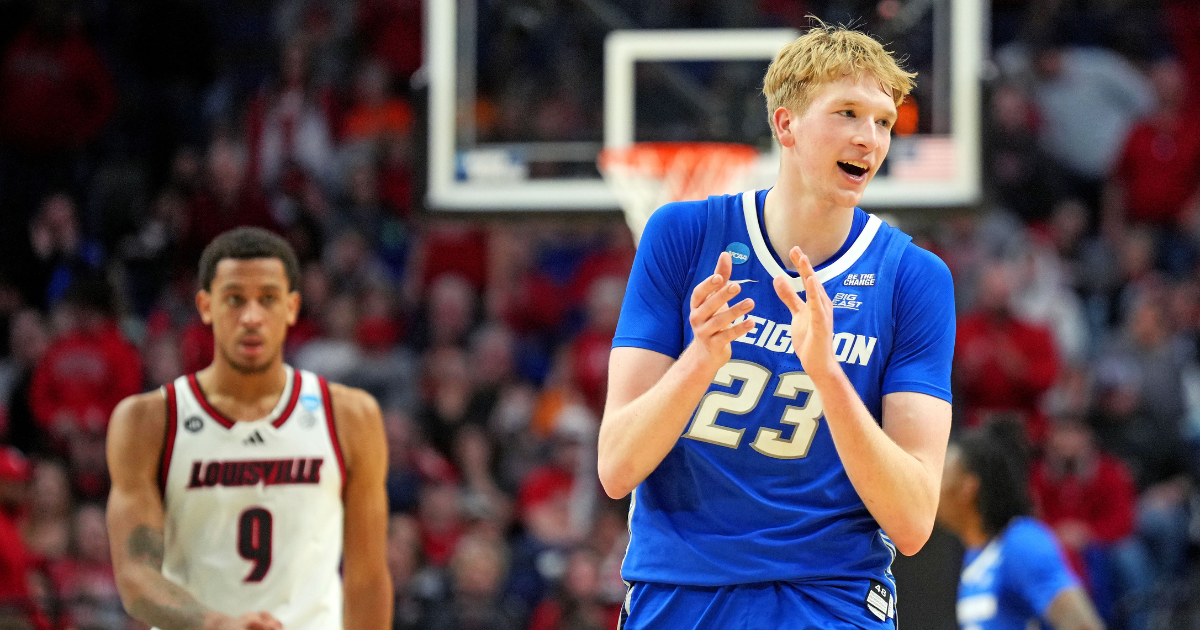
x=652 y=313
x=923 y=309
x=1034 y=567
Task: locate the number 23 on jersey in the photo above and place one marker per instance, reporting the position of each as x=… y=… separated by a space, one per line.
x=804 y=418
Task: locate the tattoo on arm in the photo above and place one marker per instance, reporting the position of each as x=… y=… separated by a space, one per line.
x=146 y=546
x=161 y=603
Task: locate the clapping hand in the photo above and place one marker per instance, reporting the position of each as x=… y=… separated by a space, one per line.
x=812 y=319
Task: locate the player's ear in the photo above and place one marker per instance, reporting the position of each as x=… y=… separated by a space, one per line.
x=781 y=120
x=293 y=307
x=204 y=305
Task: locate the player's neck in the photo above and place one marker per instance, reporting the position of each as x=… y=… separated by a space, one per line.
x=791 y=217
x=220 y=379
x=972 y=533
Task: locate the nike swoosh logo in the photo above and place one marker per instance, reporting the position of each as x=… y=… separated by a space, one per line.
x=741 y=281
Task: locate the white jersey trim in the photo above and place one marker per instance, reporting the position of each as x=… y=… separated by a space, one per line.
x=767 y=260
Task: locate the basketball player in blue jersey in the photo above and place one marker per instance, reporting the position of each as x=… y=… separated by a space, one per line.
x=783 y=449
x=1014 y=575
x=234 y=488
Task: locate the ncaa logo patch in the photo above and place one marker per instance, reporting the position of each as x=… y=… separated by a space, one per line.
x=310 y=402
x=739 y=251
x=193 y=424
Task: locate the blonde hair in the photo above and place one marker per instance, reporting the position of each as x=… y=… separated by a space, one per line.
x=825 y=54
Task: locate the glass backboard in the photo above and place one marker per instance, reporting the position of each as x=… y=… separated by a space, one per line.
x=525 y=93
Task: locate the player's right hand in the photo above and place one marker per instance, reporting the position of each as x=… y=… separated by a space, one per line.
x=252 y=621
x=712 y=317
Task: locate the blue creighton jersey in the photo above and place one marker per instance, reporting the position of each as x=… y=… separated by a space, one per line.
x=1010 y=583
x=754 y=490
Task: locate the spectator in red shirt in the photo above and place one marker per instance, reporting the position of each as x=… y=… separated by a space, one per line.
x=16 y=563
x=391 y=31
x=588 y=353
x=55 y=93
x=440 y=517
x=1157 y=179
x=85 y=581
x=577 y=604
x=614 y=257
x=1182 y=19
x=289 y=127
x=448 y=247
x=1088 y=497
x=1003 y=365
x=46 y=520
x=86 y=371
x=477 y=600
x=556 y=504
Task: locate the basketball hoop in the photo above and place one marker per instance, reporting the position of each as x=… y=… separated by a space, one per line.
x=646 y=175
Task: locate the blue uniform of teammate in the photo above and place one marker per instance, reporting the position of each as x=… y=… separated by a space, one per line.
x=776 y=448
x=1014 y=575
x=1010 y=583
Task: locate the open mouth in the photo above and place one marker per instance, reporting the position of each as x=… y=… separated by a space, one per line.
x=251 y=344
x=852 y=169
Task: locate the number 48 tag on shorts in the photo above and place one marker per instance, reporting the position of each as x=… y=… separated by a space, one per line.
x=879 y=601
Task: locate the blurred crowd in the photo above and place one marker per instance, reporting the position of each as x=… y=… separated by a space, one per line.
x=131 y=133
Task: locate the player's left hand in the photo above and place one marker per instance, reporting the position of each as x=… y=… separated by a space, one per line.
x=812 y=319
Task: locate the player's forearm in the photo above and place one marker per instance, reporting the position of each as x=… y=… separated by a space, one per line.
x=635 y=438
x=895 y=486
x=368 y=603
x=148 y=595
x=1073 y=610
x=163 y=604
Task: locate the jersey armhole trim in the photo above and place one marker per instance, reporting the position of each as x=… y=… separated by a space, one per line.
x=333 y=436
x=164 y=461
x=291 y=405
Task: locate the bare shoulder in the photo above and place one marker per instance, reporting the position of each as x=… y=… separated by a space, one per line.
x=352 y=406
x=359 y=425
x=136 y=431
x=141 y=414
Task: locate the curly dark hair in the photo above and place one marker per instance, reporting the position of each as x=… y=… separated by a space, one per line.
x=246 y=243
x=996 y=453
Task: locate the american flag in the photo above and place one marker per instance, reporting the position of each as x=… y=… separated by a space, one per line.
x=922 y=158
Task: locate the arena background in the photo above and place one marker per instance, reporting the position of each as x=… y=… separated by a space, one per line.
x=464 y=263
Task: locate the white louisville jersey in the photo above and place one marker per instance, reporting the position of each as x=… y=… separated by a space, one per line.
x=254 y=509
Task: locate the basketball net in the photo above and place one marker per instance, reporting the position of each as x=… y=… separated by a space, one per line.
x=646 y=175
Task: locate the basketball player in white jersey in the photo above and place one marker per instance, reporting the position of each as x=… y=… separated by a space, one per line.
x=234 y=488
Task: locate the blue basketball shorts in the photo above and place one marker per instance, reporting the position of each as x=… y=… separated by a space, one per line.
x=759 y=606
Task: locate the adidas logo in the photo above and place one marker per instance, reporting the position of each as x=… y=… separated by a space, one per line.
x=255 y=438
